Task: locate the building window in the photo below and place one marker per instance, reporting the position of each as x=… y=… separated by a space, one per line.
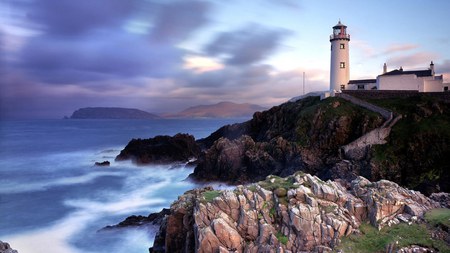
x=342 y=46
x=342 y=87
x=342 y=65
x=360 y=86
x=445 y=88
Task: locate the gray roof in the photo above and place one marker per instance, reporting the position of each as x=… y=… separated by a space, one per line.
x=362 y=81
x=418 y=73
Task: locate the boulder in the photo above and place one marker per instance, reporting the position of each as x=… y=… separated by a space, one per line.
x=104 y=163
x=161 y=150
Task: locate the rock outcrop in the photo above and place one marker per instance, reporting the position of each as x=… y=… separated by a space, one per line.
x=161 y=150
x=139 y=220
x=300 y=213
x=304 y=135
x=5 y=248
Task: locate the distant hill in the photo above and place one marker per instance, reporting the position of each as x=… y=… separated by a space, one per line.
x=219 y=110
x=111 y=113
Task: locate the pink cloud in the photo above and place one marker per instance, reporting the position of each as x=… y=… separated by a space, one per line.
x=415 y=60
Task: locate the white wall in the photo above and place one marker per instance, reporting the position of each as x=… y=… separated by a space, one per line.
x=339 y=76
x=399 y=82
x=435 y=85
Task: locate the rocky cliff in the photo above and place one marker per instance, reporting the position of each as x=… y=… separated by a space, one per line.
x=305 y=135
x=313 y=136
x=300 y=213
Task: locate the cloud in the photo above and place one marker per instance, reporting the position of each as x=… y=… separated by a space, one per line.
x=177 y=20
x=73 y=48
x=57 y=60
x=230 y=76
x=68 y=17
x=395 y=48
x=248 y=45
x=420 y=59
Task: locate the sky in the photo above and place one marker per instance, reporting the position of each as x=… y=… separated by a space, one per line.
x=163 y=56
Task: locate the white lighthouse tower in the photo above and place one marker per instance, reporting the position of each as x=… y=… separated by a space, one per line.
x=340 y=64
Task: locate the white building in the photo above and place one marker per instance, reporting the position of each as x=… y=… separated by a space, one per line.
x=419 y=80
x=340 y=64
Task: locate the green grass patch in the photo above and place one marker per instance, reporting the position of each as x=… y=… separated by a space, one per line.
x=371 y=240
x=278 y=182
x=210 y=195
x=438 y=217
x=282 y=238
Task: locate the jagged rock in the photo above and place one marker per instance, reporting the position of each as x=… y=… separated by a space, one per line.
x=5 y=248
x=161 y=149
x=139 y=220
x=311 y=217
x=104 y=163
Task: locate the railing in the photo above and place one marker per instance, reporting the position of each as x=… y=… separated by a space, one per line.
x=340 y=36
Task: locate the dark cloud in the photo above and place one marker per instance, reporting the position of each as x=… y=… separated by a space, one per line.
x=59 y=60
x=248 y=45
x=68 y=17
x=90 y=54
x=176 y=21
x=443 y=68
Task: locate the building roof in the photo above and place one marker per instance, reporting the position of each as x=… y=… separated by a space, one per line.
x=339 y=25
x=418 y=73
x=362 y=81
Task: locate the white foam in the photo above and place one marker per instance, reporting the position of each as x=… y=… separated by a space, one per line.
x=19 y=187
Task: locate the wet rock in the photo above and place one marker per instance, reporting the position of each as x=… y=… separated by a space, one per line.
x=5 y=248
x=104 y=163
x=161 y=150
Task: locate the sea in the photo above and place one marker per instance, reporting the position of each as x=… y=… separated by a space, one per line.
x=54 y=200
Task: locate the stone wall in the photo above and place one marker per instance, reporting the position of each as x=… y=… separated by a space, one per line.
x=386 y=94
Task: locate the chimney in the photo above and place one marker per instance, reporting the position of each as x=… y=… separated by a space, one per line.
x=432 y=68
x=384 y=68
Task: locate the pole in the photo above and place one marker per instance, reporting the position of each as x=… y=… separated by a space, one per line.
x=303 y=83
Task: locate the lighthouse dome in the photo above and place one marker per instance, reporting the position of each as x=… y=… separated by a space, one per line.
x=339 y=25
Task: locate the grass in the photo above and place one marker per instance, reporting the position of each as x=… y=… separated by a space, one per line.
x=371 y=240
x=210 y=195
x=438 y=217
x=278 y=182
x=282 y=238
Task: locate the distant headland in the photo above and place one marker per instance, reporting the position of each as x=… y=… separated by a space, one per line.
x=111 y=113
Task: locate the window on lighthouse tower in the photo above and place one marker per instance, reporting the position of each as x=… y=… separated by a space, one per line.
x=342 y=65
x=342 y=46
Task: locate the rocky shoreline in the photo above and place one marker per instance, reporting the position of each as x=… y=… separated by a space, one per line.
x=302 y=213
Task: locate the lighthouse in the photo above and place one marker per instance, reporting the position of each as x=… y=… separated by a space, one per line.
x=340 y=65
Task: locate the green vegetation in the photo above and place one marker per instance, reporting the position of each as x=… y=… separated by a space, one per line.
x=210 y=195
x=328 y=110
x=282 y=238
x=417 y=148
x=371 y=240
x=438 y=217
x=278 y=182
